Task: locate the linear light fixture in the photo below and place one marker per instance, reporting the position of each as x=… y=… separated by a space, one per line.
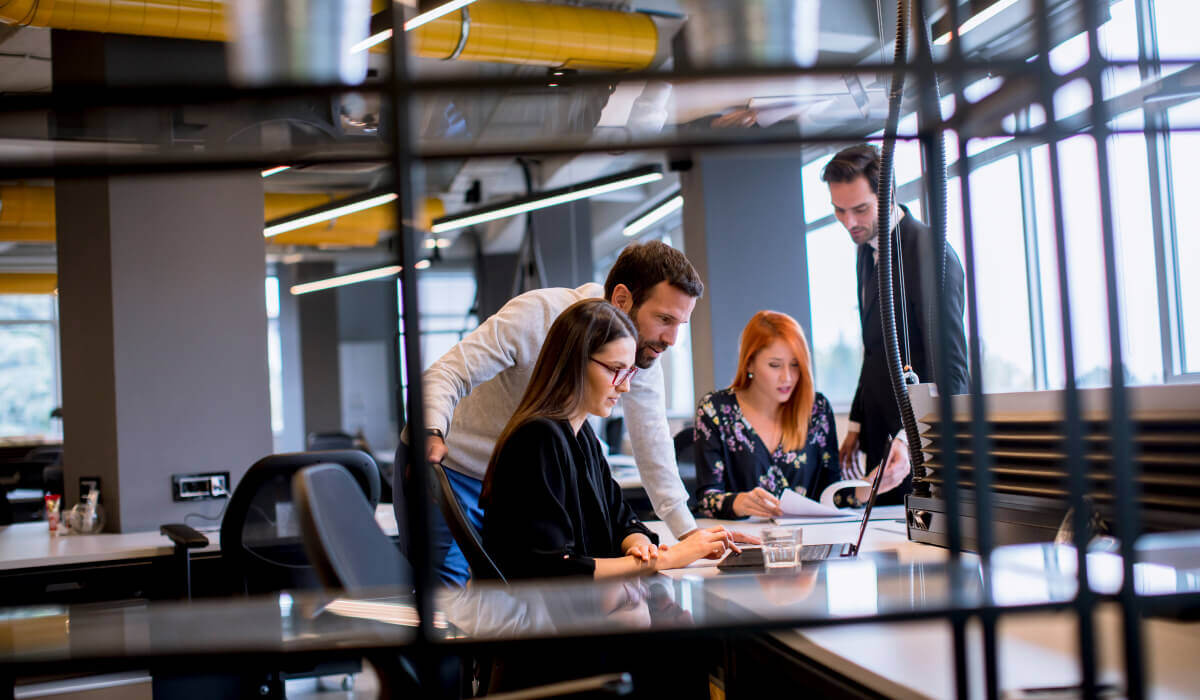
x=276 y=170
x=666 y=206
x=423 y=18
x=343 y=280
x=976 y=19
x=333 y=210
x=571 y=193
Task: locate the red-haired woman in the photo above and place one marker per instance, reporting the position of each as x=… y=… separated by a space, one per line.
x=767 y=432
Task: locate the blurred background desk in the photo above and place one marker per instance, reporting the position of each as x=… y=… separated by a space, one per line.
x=37 y=567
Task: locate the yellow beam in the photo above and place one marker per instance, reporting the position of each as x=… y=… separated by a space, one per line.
x=27 y=215
x=28 y=282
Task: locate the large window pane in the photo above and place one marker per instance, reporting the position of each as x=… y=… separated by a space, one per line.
x=26 y=307
x=836 y=331
x=1185 y=182
x=1175 y=24
x=1137 y=290
x=27 y=393
x=1001 y=286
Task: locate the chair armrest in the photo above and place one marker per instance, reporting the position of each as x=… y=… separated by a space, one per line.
x=184 y=536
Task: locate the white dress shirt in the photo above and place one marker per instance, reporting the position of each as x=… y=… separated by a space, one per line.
x=473 y=390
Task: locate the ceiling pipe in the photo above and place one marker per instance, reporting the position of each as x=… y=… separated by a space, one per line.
x=498 y=31
x=27 y=215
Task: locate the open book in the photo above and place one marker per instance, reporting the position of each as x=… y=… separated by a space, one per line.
x=797 y=508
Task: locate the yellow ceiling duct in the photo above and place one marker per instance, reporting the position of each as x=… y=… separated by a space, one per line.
x=27 y=215
x=28 y=282
x=528 y=33
x=179 y=19
x=501 y=31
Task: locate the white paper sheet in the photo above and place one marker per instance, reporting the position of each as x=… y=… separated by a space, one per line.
x=794 y=504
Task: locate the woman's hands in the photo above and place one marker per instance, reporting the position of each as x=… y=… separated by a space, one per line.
x=640 y=548
x=758 y=502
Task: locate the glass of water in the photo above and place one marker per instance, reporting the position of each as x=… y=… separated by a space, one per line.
x=780 y=546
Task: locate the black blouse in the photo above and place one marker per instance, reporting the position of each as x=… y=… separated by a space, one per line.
x=554 y=505
x=731 y=457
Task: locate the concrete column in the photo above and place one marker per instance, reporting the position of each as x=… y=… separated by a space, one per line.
x=564 y=238
x=369 y=361
x=743 y=219
x=319 y=367
x=164 y=336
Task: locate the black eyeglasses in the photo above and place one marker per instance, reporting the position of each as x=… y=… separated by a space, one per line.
x=620 y=375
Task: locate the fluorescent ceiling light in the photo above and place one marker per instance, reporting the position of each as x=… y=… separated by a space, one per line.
x=277 y=169
x=343 y=280
x=657 y=213
x=437 y=243
x=583 y=190
x=423 y=18
x=977 y=19
x=329 y=211
x=422 y=264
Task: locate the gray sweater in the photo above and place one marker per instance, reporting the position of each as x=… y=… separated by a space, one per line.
x=472 y=391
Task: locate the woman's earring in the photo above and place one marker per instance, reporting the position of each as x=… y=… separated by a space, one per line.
x=749 y=375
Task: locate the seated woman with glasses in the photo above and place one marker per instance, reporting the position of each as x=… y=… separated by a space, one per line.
x=767 y=432
x=551 y=507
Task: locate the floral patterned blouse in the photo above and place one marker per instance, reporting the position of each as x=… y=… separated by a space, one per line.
x=731 y=457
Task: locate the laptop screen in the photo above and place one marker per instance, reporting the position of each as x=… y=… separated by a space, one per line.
x=862 y=528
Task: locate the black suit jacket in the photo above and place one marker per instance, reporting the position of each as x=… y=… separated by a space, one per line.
x=874 y=405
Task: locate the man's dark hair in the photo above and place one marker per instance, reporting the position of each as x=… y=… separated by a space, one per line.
x=854 y=162
x=643 y=265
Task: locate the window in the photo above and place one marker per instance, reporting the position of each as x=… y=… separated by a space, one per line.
x=1001 y=287
x=274 y=355
x=447 y=300
x=1185 y=184
x=836 y=330
x=29 y=372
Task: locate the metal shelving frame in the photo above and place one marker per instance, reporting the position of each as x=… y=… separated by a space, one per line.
x=404 y=157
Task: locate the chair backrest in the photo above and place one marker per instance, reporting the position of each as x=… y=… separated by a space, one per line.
x=685 y=445
x=468 y=539
x=329 y=441
x=260 y=538
x=344 y=543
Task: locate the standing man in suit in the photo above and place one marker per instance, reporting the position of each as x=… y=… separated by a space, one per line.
x=875 y=427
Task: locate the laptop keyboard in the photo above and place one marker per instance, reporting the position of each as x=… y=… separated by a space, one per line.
x=815 y=552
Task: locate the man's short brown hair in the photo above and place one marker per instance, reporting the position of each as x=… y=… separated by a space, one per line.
x=852 y=163
x=641 y=266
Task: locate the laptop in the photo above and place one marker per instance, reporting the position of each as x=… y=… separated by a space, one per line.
x=751 y=558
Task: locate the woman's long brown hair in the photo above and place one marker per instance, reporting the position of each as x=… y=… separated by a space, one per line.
x=762 y=330
x=556 y=387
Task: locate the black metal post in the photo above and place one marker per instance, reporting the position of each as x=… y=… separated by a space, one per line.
x=417 y=493
x=1128 y=514
x=1077 y=477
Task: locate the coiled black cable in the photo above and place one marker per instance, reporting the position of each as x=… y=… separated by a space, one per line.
x=886 y=281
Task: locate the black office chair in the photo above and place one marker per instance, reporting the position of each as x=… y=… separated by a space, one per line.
x=331 y=440
x=260 y=538
x=351 y=553
x=685 y=461
x=343 y=542
x=465 y=534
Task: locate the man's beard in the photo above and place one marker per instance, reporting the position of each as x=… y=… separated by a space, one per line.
x=644 y=359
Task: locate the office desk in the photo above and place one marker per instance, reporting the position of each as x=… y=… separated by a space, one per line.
x=915 y=659
x=36 y=566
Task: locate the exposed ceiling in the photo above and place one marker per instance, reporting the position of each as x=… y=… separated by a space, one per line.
x=849 y=30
